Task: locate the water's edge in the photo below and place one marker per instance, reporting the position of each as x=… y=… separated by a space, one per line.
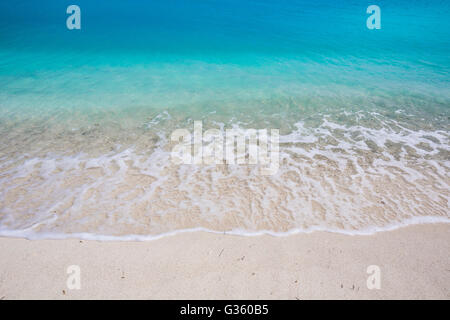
x=26 y=234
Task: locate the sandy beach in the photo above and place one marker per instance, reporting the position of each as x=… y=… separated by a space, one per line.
x=224 y=150
x=414 y=263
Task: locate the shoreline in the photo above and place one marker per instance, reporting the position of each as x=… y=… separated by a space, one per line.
x=419 y=220
x=413 y=260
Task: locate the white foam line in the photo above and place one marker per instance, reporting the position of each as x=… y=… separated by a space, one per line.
x=28 y=234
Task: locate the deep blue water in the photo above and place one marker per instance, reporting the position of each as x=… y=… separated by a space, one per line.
x=153 y=49
x=85 y=115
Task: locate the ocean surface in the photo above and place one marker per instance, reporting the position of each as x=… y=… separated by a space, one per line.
x=86 y=116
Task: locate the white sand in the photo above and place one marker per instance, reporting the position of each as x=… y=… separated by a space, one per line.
x=414 y=263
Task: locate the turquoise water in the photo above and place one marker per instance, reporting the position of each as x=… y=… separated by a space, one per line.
x=371 y=105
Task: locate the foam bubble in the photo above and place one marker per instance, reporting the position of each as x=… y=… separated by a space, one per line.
x=333 y=177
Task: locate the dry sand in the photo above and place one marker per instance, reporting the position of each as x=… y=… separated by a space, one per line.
x=414 y=263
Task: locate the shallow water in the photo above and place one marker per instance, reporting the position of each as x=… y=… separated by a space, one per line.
x=86 y=116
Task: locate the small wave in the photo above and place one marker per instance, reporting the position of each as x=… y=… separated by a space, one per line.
x=333 y=177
